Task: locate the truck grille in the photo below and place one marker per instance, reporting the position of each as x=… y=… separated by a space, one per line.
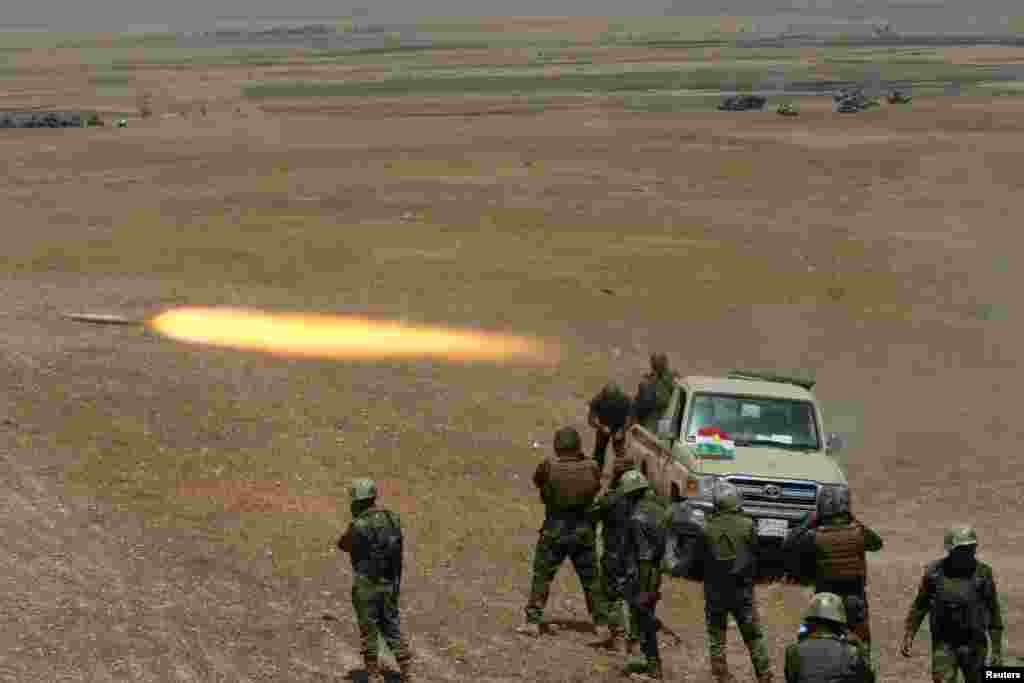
x=771 y=494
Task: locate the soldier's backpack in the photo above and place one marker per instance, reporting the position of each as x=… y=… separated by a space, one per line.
x=386 y=547
x=959 y=606
x=683 y=545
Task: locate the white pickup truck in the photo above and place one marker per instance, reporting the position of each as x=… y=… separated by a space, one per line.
x=760 y=431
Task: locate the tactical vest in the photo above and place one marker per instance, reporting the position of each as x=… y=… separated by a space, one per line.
x=377 y=552
x=827 y=660
x=959 y=613
x=840 y=552
x=571 y=485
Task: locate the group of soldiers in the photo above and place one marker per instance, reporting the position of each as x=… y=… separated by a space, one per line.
x=644 y=538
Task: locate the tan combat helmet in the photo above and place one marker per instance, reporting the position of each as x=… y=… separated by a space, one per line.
x=633 y=481
x=826 y=607
x=363 y=489
x=958 y=536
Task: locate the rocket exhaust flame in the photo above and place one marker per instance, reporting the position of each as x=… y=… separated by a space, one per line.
x=311 y=335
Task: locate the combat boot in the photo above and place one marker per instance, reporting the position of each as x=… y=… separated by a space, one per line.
x=372 y=668
x=529 y=629
x=612 y=639
x=644 y=669
x=654 y=670
x=720 y=670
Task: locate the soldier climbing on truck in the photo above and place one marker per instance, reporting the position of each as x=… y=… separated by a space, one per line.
x=762 y=432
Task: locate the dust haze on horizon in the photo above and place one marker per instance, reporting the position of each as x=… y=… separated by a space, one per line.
x=911 y=16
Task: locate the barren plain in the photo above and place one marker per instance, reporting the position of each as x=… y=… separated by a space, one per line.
x=169 y=511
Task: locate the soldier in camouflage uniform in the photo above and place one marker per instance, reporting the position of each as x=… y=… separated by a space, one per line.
x=959 y=594
x=611 y=511
x=568 y=484
x=610 y=414
x=825 y=654
x=830 y=546
x=728 y=550
x=644 y=550
x=374 y=540
x=654 y=393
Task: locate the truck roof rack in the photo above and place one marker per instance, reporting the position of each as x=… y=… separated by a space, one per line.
x=803 y=381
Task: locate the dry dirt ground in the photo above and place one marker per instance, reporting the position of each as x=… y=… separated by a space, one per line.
x=169 y=511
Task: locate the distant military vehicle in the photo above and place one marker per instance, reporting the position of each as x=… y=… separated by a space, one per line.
x=787 y=109
x=763 y=432
x=898 y=97
x=883 y=30
x=46 y=119
x=853 y=100
x=742 y=103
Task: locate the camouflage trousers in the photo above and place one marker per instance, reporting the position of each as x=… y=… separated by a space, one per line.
x=557 y=542
x=736 y=599
x=618 y=614
x=376 y=606
x=646 y=631
x=949 y=659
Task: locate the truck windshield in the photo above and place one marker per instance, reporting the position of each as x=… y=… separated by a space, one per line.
x=755 y=421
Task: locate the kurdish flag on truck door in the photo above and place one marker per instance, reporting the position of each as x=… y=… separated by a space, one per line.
x=714 y=444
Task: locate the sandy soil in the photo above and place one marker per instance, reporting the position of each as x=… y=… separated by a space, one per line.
x=876 y=248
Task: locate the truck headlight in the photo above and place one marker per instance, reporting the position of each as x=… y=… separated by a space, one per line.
x=700 y=487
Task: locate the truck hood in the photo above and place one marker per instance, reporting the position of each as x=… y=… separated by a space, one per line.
x=771 y=463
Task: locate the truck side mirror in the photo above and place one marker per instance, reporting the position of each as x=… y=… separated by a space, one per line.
x=834 y=443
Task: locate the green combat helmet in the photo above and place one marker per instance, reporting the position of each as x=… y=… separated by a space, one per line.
x=726 y=496
x=826 y=607
x=567 y=439
x=633 y=481
x=959 y=536
x=364 y=489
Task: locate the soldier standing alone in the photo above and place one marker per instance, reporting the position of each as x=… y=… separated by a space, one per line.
x=831 y=547
x=729 y=557
x=568 y=484
x=374 y=540
x=825 y=655
x=959 y=594
x=645 y=537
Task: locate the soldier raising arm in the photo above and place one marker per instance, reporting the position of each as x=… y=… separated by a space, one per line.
x=830 y=547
